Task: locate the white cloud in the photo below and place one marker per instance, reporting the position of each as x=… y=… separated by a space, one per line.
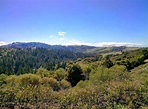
x=62 y=38
x=103 y=44
x=51 y=36
x=3 y=43
x=61 y=33
x=117 y=44
x=76 y=42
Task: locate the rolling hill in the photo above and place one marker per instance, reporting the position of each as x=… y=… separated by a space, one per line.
x=73 y=48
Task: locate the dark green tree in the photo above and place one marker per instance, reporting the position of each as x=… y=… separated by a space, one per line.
x=107 y=63
x=145 y=53
x=75 y=75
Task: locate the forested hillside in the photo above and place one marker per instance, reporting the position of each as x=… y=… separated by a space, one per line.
x=61 y=79
x=25 y=60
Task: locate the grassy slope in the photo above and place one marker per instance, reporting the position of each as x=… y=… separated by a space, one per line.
x=109 y=50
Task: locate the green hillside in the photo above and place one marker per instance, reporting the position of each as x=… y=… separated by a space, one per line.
x=25 y=60
x=114 y=81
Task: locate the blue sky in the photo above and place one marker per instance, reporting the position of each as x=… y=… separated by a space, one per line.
x=67 y=22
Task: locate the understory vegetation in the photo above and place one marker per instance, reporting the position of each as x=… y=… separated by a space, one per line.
x=41 y=78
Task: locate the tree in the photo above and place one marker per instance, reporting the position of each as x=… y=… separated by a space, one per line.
x=60 y=74
x=42 y=72
x=65 y=84
x=75 y=75
x=54 y=84
x=145 y=53
x=30 y=80
x=107 y=63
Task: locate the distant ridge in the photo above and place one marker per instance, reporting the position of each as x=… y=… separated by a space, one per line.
x=74 y=48
x=26 y=45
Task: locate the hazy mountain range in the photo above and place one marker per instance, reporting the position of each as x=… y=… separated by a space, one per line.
x=73 y=48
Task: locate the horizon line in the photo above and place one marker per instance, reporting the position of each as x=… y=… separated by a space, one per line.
x=100 y=44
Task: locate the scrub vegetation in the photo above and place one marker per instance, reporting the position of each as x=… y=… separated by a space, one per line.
x=32 y=78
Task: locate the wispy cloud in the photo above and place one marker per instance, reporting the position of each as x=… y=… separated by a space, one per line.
x=61 y=33
x=117 y=44
x=62 y=38
x=76 y=42
x=104 y=44
x=3 y=43
x=51 y=36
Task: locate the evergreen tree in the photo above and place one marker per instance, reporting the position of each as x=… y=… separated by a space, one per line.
x=75 y=75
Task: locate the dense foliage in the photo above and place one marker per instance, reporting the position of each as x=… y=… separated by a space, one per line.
x=132 y=59
x=20 y=61
x=116 y=81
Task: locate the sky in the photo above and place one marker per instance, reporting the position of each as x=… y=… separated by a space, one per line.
x=75 y=22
